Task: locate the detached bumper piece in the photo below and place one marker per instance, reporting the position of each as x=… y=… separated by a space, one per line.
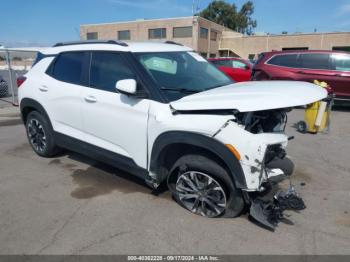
x=270 y=212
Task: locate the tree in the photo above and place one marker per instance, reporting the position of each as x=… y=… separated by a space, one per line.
x=223 y=13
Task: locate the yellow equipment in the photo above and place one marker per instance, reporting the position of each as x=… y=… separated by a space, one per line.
x=317 y=114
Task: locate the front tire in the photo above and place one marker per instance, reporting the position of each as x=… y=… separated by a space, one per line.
x=203 y=187
x=40 y=135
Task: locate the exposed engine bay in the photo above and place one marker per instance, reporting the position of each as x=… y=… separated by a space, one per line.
x=264 y=121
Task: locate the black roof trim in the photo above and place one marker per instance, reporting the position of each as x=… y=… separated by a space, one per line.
x=172 y=43
x=113 y=42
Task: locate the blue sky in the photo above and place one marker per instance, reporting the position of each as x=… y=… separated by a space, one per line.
x=45 y=22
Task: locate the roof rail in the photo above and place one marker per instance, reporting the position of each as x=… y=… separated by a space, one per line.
x=85 y=42
x=172 y=43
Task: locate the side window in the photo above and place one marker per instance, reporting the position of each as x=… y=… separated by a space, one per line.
x=106 y=69
x=224 y=62
x=315 y=61
x=340 y=62
x=285 y=60
x=238 y=64
x=68 y=67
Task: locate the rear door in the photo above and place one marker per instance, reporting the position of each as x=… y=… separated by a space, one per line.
x=315 y=66
x=61 y=90
x=114 y=121
x=280 y=67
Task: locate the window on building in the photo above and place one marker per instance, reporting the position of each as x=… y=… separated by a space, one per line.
x=92 y=36
x=294 y=48
x=340 y=62
x=315 y=61
x=108 y=68
x=124 y=35
x=212 y=55
x=157 y=33
x=251 y=56
x=204 y=54
x=341 y=48
x=185 y=31
x=203 y=33
x=213 y=35
x=285 y=60
x=68 y=67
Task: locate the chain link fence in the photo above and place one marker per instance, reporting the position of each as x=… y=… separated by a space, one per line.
x=13 y=63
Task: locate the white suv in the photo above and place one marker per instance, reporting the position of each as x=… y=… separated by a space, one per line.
x=162 y=112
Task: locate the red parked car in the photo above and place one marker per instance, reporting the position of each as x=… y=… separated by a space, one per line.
x=236 y=68
x=332 y=67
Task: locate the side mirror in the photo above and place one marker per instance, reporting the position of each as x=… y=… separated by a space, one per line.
x=126 y=86
x=247 y=67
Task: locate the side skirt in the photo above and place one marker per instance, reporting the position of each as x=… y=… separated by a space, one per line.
x=116 y=160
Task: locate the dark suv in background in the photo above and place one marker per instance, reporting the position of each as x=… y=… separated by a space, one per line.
x=332 y=67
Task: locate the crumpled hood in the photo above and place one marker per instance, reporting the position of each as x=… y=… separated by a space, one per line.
x=253 y=96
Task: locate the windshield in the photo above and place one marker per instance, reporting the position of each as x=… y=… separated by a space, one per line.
x=182 y=72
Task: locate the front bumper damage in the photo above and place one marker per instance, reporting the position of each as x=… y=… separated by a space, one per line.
x=269 y=212
x=264 y=163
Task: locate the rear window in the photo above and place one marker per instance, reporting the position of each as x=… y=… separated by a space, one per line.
x=290 y=60
x=68 y=67
x=315 y=61
x=39 y=56
x=260 y=57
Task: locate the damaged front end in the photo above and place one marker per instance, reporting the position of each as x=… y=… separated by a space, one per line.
x=262 y=147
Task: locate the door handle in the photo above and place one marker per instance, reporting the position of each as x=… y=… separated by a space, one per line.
x=43 y=88
x=301 y=72
x=341 y=75
x=90 y=99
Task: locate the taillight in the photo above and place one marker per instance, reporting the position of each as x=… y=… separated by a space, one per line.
x=20 y=80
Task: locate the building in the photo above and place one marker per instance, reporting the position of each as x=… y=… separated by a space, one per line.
x=210 y=39
x=196 y=32
x=233 y=44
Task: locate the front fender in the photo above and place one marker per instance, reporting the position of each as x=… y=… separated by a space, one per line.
x=202 y=141
x=252 y=149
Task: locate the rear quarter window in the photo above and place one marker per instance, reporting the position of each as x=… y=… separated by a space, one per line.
x=68 y=67
x=290 y=60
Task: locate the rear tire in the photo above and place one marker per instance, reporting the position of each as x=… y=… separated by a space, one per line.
x=40 y=135
x=203 y=187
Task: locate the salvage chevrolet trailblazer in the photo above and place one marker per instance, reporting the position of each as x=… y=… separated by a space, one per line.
x=162 y=112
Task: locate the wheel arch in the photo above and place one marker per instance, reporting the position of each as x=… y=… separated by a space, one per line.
x=171 y=145
x=28 y=105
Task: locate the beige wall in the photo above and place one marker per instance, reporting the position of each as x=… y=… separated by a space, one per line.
x=139 y=31
x=245 y=45
x=206 y=45
x=228 y=41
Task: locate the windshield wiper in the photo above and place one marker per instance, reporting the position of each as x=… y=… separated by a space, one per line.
x=218 y=86
x=181 y=90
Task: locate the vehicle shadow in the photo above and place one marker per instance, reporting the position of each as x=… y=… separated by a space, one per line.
x=102 y=179
x=341 y=107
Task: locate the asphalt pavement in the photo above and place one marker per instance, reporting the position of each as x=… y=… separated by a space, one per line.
x=73 y=205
